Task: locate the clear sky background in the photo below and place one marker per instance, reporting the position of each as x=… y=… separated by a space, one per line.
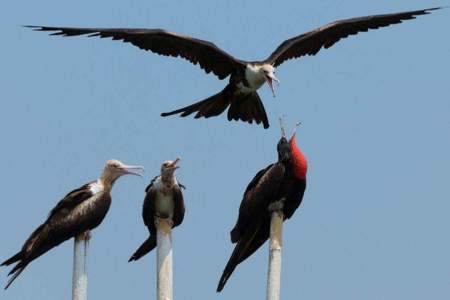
x=375 y=110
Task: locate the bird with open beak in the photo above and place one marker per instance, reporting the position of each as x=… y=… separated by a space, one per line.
x=163 y=199
x=279 y=186
x=80 y=211
x=240 y=95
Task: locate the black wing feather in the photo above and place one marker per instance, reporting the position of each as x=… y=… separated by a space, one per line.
x=206 y=54
x=72 y=199
x=179 y=209
x=259 y=193
x=326 y=36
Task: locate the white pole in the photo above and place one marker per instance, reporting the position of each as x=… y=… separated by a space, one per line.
x=164 y=259
x=275 y=245
x=79 y=279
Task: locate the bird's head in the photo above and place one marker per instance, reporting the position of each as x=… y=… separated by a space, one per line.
x=284 y=151
x=168 y=167
x=269 y=75
x=115 y=168
x=289 y=152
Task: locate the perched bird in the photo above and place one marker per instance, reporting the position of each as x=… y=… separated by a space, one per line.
x=246 y=77
x=164 y=199
x=78 y=212
x=282 y=183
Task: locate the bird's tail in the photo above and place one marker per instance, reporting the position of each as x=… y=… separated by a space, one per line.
x=210 y=107
x=15 y=272
x=240 y=250
x=248 y=108
x=148 y=245
x=16 y=257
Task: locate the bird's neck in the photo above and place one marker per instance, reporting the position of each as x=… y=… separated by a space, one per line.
x=168 y=179
x=254 y=76
x=107 y=181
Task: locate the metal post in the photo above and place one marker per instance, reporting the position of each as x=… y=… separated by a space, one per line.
x=79 y=279
x=275 y=245
x=164 y=259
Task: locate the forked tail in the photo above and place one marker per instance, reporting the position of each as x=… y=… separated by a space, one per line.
x=148 y=245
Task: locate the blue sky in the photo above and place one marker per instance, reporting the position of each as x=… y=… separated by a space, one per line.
x=375 y=111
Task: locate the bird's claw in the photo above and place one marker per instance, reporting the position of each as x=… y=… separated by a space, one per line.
x=167 y=218
x=87 y=235
x=277 y=206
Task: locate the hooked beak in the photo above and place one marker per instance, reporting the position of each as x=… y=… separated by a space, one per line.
x=270 y=78
x=173 y=165
x=132 y=170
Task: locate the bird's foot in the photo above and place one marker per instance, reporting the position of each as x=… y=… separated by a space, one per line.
x=86 y=235
x=167 y=218
x=277 y=206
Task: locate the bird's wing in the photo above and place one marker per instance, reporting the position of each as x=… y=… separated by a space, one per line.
x=148 y=209
x=326 y=36
x=178 y=211
x=71 y=200
x=206 y=54
x=259 y=193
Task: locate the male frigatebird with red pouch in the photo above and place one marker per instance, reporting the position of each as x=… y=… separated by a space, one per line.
x=78 y=212
x=283 y=182
x=246 y=77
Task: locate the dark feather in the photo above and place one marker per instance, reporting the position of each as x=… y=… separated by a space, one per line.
x=148 y=215
x=148 y=245
x=179 y=209
x=245 y=107
x=63 y=223
x=206 y=54
x=210 y=107
x=326 y=36
x=248 y=108
x=258 y=195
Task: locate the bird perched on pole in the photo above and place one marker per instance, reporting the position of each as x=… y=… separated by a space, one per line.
x=164 y=199
x=283 y=181
x=246 y=77
x=80 y=211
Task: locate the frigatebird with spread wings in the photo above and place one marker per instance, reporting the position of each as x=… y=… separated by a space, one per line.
x=246 y=77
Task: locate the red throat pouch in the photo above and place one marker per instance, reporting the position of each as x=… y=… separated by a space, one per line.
x=299 y=163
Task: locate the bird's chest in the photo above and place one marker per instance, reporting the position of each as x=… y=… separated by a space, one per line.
x=251 y=80
x=254 y=77
x=164 y=200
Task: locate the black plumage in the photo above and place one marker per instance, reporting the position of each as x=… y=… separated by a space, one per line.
x=80 y=211
x=277 y=182
x=161 y=189
x=246 y=77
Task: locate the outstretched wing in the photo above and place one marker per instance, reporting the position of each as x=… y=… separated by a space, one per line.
x=206 y=54
x=326 y=36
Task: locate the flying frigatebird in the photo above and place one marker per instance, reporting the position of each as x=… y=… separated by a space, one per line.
x=164 y=199
x=246 y=77
x=78 y=212
x=283 y=182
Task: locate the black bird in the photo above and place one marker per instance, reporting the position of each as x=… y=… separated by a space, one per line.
x=164 y=199
x=246 y=77
x=283 y=181
x=79 y=211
